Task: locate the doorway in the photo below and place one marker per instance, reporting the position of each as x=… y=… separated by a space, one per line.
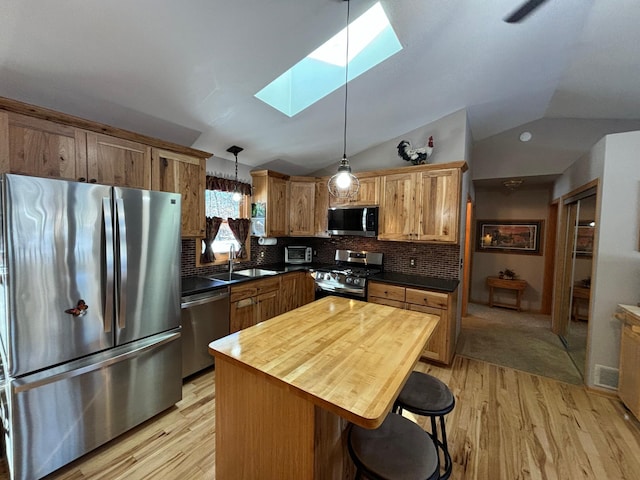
x=579 y=226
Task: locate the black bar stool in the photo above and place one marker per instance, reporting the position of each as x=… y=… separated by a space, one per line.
x=399 y=449
x=425 y=395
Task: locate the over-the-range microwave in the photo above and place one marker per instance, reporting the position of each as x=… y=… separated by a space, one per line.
x=360 y=221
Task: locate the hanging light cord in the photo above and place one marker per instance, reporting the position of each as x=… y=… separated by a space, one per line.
x=346 y=86
x=236 y=155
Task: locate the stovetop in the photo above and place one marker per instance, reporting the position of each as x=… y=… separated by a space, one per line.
x=352 y=269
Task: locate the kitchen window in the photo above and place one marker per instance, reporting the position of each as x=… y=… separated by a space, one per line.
x=219 y=203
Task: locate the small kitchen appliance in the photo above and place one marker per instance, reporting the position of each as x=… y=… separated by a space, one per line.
x=297 y=254
x=348 y=277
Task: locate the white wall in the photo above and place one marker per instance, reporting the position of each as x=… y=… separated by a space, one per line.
x=616 y=258
x=451 y=144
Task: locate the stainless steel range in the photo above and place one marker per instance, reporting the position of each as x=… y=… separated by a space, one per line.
x=348 y=277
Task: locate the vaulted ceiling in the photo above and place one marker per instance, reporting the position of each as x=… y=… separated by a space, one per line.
x=187 y=72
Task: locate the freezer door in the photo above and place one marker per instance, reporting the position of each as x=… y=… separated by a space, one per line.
x=57 y=415
x=54 y=256
x=148 y=242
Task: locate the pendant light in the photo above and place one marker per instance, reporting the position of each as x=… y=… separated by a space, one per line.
x=344 y=184
x=237 y=196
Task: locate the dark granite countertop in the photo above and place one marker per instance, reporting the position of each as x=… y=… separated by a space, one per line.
x=419 y=281
x=193 y=285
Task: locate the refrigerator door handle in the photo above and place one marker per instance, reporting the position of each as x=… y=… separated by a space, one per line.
x=108 y=237
x=21 y=385
x=122 y=264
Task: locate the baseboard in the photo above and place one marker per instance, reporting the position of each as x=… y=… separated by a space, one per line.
x=605 y=392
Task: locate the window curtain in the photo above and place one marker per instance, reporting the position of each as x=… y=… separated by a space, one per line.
x=213 y=225
x=240 y=229
x=227 y=185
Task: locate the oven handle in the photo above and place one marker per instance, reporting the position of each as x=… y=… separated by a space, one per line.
x=352 y=291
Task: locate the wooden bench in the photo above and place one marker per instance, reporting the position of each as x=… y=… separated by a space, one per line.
x=516 y=285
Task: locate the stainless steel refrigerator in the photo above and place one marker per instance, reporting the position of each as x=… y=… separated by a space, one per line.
x=89 y=316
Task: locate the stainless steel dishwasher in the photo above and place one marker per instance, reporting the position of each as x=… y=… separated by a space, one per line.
x=205 y=317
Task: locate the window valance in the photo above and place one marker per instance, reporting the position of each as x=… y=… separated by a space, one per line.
x=227 y=185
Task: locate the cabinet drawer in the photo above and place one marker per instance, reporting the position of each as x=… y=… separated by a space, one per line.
x=253 y=288
x=242 y=291
x=268 y=285
x=386 y=301
x=429 y=299
x=384 y=290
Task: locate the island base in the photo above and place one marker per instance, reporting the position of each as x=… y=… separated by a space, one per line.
x=264 y=431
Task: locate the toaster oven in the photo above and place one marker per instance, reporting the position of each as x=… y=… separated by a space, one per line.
x=297 y=254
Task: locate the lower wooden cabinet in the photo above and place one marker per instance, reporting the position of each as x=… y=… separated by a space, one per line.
x=442 y=344
x=259 y=300
x=296 y=289
x=253 y=302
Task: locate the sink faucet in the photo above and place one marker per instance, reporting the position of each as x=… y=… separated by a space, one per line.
x=232 y=256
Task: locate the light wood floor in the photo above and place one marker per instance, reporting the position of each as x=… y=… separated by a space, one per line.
x=506 y=425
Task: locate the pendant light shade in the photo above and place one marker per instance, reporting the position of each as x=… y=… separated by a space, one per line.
x=237 y=196
x=344 y=184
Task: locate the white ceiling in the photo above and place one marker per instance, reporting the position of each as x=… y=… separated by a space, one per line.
x=187 y=71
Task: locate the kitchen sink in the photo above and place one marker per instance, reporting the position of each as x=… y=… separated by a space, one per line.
x=255 y=272
x=227 y=277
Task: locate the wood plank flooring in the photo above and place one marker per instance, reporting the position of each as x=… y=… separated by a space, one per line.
x=507 y=424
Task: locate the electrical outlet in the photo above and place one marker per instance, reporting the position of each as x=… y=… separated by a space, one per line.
x=412 y=261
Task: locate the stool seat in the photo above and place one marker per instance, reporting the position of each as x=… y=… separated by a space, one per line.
x=397 y=450
x=426 y=395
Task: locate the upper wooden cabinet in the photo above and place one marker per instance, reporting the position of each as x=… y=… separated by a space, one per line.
x=440 y=212
x=368 y=193
x=397 y=215
x=186 y=175
x=421 y=205
x=272 y=190
x=32 y=146
x=302 y=193
x=41 y=142
x=118 y=162
x=321 y=228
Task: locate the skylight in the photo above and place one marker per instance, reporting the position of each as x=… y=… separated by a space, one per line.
x=371 y=41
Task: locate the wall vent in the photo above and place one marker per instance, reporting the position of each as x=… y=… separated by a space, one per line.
x=606 y=377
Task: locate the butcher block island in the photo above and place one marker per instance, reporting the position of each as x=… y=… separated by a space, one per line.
x=287 y=388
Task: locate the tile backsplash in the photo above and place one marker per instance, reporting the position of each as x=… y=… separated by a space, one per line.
x=433 y=260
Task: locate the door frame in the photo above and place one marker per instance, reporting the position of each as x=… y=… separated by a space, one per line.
x=466 y=272
x=562 y=257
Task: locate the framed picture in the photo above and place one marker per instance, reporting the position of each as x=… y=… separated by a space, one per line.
x=513 y=236
x=584 y=240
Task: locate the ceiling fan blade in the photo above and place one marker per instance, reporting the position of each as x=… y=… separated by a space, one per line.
x=524 y=10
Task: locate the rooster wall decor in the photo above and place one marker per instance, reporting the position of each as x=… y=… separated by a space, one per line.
x=417 y=156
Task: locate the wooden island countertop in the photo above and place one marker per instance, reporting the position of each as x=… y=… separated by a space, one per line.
x=295 y=381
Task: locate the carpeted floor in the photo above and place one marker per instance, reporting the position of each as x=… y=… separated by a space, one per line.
x=517 y=340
